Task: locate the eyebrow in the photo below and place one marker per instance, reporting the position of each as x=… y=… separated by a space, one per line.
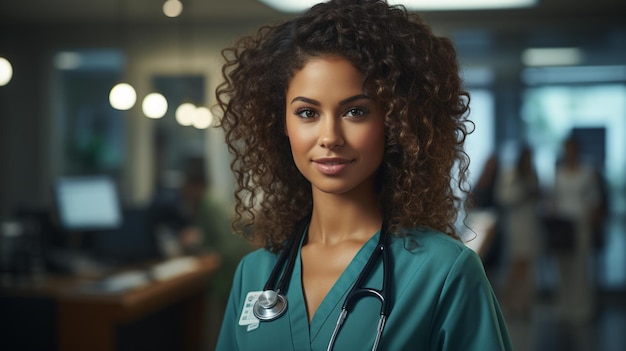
x=342 y=102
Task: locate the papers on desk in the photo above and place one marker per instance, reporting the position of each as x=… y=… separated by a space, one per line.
x=173 y=268
x=125 y=281
x=115 y=283
x=132 y=279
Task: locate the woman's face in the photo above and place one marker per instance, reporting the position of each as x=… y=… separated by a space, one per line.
x=336 y=131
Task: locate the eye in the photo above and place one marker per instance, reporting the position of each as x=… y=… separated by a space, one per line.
x=306 y=113
x=356 y=112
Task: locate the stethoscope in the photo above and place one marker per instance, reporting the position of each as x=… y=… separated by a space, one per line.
x=272 y=302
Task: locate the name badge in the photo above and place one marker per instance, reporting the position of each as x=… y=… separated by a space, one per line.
x=247 y=316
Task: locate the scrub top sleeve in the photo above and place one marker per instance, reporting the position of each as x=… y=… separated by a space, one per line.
x=468 y=316
x=227 y=340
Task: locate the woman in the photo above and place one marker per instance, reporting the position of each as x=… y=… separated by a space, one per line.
x=576 y=196
x=343 y=119
x=518 y=193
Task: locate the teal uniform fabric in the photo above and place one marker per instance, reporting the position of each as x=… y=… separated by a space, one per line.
x=441 y=300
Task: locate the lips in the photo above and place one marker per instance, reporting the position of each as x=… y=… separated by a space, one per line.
x=331 y=165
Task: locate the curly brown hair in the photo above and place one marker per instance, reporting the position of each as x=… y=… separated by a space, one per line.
x=413 y=74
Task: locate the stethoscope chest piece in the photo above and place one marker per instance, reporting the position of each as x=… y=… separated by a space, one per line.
x=270 y=305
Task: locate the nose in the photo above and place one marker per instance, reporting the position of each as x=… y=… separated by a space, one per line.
x=331 y=133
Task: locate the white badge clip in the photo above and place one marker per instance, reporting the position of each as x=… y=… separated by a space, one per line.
x=247 y=316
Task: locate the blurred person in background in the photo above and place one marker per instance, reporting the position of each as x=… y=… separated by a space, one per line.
x=518 y=194
x=483 y=198
x=174 y=212
x=483 y=194
x=599 y=218
x=189 y=220
x=576 y=196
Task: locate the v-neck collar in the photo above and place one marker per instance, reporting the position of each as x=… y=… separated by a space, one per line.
x=300 y=327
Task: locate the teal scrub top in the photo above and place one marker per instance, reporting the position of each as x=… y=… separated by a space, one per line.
x=441 y=300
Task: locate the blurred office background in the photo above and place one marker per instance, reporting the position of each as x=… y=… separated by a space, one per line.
x=536 y=74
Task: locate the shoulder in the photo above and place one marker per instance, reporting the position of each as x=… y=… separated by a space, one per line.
x=435 y=254
x=258 y=258
x=253 y=270
x=429 y=242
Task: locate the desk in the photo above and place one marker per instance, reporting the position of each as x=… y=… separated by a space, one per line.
x=92 y=321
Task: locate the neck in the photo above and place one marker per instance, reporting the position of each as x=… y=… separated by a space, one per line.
x=340 y=218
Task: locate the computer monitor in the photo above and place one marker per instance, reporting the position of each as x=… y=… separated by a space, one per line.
x=87 y=203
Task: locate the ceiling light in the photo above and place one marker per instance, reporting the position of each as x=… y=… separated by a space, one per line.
x=154 y=105
x=203 y=118
x=67 y=60
x=185 y=113
x=552 y=57
x=6 y=71
x=172 y=8
x=419 y=5
x=122 y=96
x=576 y=74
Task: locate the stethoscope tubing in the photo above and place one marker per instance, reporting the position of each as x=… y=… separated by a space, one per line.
x=288 y=255
x=275 y=295
x=357 y=291
x=287 y=259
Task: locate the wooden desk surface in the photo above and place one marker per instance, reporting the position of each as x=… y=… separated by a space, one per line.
x=132 y=303
x=87 y=319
